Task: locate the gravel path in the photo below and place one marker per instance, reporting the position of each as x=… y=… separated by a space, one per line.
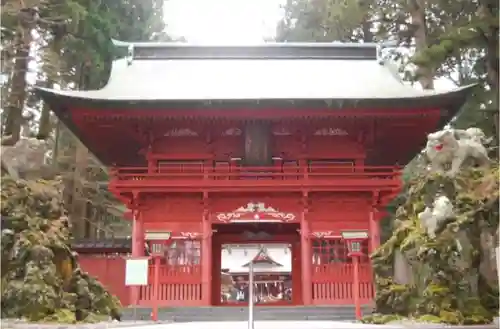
x=17 y=324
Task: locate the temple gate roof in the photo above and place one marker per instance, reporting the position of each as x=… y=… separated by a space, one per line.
x=164 y=75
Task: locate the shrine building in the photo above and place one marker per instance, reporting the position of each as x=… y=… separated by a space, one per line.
x=276 y=144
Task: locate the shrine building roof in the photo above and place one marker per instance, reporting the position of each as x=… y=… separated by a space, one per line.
x=176 y=75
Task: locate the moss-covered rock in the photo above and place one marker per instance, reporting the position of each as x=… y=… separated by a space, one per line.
x=378 y=318
x=452 y=276
x=41 y=279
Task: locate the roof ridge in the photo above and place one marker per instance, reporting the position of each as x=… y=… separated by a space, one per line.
x=275 y=50
x=268 y=257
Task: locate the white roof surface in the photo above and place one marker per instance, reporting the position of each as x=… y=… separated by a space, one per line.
x=249 y=79
x=236 y=257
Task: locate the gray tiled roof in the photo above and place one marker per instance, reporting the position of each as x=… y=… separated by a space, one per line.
x=185 y=75
x=250 y=79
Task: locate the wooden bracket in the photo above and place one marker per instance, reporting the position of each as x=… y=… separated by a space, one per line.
x=206 y=206
x=303 y=140
x=370 y=141
x=136 y=199
x=305 y=201
x=375 y=199
x=208 y=136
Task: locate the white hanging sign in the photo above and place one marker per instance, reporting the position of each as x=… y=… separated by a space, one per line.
x=136 y=271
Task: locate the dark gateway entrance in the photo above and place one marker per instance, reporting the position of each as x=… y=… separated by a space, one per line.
x=275 y=251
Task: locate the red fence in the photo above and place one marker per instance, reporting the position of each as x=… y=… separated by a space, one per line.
x=332 y=284
x=333 y=273
x=179 y=285
x=110 y=271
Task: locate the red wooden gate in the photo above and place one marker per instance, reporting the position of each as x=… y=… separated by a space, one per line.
x=332 y=274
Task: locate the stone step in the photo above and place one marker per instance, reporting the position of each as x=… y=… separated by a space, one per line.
x=298 y=313
x=208 y=318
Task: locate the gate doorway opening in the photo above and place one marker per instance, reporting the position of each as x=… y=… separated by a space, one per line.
x=274 y=249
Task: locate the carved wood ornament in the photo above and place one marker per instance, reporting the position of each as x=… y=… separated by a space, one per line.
x=255 y=212
x=187 y=236
x=323 y=234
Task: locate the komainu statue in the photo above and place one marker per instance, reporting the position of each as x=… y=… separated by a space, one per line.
x=431 y=217
x=26 y=157
x=453 y=147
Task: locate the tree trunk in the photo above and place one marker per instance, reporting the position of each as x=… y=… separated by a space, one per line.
x=486 y=12
x=45 y=126
x=417 y=13
x=16 y=98
x=78 y=199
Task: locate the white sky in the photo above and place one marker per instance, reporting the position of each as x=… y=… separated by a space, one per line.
x=223 y=21
x=231 y=22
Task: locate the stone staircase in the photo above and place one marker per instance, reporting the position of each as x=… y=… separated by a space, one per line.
x=234 y=313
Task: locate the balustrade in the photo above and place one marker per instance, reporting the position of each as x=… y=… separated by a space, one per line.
x=199 y=172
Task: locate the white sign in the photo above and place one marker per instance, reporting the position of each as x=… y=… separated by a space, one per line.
x=136 y=272
x=354 y=235
x=150 y=236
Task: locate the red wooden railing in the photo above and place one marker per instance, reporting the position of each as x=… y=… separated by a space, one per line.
x=332 y=284
x=199 y=172
x=179 y=285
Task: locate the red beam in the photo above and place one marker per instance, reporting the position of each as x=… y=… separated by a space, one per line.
x=244 y=113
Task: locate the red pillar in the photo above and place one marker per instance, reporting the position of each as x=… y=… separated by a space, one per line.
x=206 y=261
x=137 y=235
x=137 y=250
x=374 y=230
x=355 y=287
x=156 y=288
x=305 y=243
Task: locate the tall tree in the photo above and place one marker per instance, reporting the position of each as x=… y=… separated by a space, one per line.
x=53 y=38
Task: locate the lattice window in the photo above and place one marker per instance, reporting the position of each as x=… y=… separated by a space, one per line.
x=290 y=167
x=328 y=251
x=183 y=252
x=334 y=165
x=188 y=166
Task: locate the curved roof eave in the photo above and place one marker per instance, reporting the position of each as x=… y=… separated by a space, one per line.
x=58 y=99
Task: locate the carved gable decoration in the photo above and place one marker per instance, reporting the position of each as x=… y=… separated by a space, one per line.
x=263 y=258
x=282 y=131
x=188 y=235
x=169 y=235
x=323 y=234
x=182 y=132
x=331 y=132
x=255 y=212
x=232 y=132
